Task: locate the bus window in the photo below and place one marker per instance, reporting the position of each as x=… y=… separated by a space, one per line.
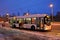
x=27 y=21
x=20 y=20
x=33 y=21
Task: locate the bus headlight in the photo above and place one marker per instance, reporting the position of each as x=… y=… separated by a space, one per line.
x=47 y=27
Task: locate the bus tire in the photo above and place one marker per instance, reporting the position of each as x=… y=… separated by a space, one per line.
x=14 y=26
x=32 y=27
x=19 y=27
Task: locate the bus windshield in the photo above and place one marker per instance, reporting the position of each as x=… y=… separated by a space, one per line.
x=47 y=20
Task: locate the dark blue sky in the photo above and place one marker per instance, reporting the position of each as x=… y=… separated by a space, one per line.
x=34 y=6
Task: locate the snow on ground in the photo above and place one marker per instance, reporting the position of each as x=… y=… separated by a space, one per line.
x=16 y=34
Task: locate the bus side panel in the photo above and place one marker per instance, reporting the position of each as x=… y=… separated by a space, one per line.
x=28 y=26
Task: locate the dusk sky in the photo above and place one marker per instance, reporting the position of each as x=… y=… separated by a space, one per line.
x=22 y=6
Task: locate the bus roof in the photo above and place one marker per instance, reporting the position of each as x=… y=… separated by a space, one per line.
x=34 y=15
x=30 y=16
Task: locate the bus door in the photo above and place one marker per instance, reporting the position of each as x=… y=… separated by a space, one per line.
x=38 y=22
x=42 y=23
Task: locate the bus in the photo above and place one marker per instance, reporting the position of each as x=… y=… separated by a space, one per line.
x=33 y=22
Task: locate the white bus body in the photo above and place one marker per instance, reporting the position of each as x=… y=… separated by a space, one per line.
x=36 y=21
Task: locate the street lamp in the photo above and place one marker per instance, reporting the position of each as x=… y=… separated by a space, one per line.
x=7 y=15
x=51 y=6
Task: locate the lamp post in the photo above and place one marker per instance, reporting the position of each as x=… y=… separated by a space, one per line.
x=51 y=6
x=7 y=16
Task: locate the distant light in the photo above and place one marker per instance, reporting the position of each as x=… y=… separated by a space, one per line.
x=7 y=14
x=27 y=13
x=51 y=5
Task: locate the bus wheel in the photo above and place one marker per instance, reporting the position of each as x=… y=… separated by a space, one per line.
x=14 y=26
x=19 y=27
x=32 y=27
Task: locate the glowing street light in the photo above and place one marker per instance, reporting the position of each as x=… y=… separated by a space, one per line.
x=27 y=14
x=51 y=6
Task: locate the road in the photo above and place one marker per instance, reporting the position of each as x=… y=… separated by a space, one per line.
x=56 y=26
